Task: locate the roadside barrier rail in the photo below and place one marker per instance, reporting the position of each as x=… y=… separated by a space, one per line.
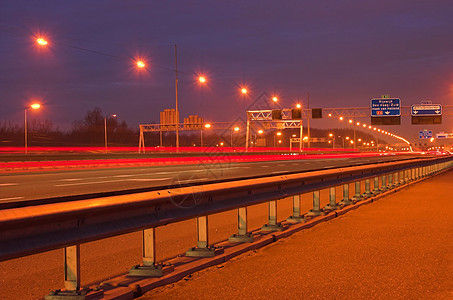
x=35 y=229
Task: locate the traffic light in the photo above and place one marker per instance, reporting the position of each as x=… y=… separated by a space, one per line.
x=276 y=114
x=316 y=113
x=296 y=114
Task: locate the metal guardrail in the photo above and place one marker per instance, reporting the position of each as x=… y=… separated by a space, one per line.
x=29 y=230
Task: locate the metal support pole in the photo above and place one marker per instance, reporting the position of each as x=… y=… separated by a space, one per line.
x=376 y=189
x=296 y=217
x=25 y=132
x=301 y=135
x=242 y=236
x=72 y=279
x=357 y=197
x=390 y=182
x=402 y=179
x=176 y=100
x=149 y=268
x=272 y=224
x=367 y=193
x=384 y=187
x=316 y=211
x=72 y=267
x=203 y=249
x=346 y=201
x=332 y=200
x=396 y=181
x=247 y=134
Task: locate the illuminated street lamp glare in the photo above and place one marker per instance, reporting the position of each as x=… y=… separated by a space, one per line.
x=41 y=41
x=207 y=125
x=141 y=64
x=244 y=91
x=35 y=105
x=275 y=99
x=202 y=79
x=236 y=129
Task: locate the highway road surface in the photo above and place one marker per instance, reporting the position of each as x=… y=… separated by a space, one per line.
x=26 y=186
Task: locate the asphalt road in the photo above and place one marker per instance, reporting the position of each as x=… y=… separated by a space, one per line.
x=26 y=186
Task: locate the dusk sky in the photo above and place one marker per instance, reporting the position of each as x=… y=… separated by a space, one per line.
x=341 y=52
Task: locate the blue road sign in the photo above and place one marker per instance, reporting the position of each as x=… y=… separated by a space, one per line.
x=425 y=134
x=383 y=107
x=426 y=110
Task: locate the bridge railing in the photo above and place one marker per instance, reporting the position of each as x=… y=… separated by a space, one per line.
x=35 y=229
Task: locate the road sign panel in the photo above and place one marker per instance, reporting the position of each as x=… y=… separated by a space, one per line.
x=425 y=134
x=443 y=135
x=426 y=110
x=385 y=107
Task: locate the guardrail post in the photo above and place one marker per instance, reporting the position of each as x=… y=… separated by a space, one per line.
x=332 y=200
x=408 y=175
x=376 y=189
x=203 y=249
x=72 y=267
x=384 y=184
x=273 y=225
x=367 y=192
x=72 y=278
x=396 y=182
x=390 y=185
x=296 y=217
x=346 y=200
x=150 y=268
x=357 y=197
x=401 y=176
x=412 y=174
x=242 y=236
x=316 y=211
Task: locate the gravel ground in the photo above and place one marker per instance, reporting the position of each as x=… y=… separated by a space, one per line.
x=399 y=247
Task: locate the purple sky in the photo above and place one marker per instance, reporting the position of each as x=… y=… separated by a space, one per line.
x=342 y=52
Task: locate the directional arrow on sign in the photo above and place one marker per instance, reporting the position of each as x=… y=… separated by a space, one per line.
x=437 y=111
x=415 y=112
x=387 y=112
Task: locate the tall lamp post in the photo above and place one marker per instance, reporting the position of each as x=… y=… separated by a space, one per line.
x=235 y=129
x=33 y=106
x=207 y=126
x=105 y=131
x=333 y=139
x=277 y=134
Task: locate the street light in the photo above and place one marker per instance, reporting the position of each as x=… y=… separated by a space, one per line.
x=207 y=126
x=244 y=90
x=41 y=41
x=277 y=134
x=105 y=130
x=140 y=64
x=202 y=79
x=333 y=139
x=33 y=106
x=235 y=129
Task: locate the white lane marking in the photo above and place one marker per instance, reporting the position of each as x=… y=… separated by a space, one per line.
x=121 y=176
x=70 y=179
x=195 y=179
x=11 y=198
x=106 y=181
x=275 y=172
x=329 y=166
x=281 y=165
x=265 y=166
x=148 y=179
x=8 y=184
